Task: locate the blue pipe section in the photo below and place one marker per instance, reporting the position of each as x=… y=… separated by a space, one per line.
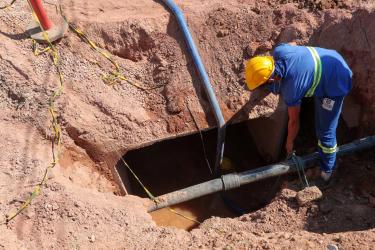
x=205 y=79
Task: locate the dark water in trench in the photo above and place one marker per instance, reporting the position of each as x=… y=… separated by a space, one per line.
x=178 y=163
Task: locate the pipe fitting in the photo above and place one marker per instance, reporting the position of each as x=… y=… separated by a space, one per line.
x=231 y=181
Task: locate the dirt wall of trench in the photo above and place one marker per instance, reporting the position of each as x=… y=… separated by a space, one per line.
x=351 y=34
x=100 y=122
x=145 y=40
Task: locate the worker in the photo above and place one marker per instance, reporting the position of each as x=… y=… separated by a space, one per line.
x=296 y=72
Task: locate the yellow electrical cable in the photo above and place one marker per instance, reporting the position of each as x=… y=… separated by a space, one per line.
x=56 y=127
x=150 y=195
x=113 y=76
x=7 y=5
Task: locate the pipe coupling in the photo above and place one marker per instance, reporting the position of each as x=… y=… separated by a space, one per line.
x=231 y=181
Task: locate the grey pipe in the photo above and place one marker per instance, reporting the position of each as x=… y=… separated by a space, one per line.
x=205 y=79
x=235 y=180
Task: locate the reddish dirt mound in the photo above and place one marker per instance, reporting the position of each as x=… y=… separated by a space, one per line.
x=356 y=31
x=78 y=208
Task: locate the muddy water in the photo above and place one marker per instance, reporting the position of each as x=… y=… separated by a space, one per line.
x=171 y=165
x=244 y=199
x=190 y=213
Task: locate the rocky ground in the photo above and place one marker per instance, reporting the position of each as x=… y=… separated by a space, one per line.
x=80 y=206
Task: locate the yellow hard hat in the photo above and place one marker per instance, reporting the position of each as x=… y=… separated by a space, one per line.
x=258 y=70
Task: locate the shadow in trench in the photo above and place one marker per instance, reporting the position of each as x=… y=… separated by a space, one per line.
x=174 y=164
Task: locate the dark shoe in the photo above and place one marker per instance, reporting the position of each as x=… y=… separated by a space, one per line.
x=324 y=182
x=325 y=176
x=321 y=183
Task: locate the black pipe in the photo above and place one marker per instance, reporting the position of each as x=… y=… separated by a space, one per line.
x=235 y=180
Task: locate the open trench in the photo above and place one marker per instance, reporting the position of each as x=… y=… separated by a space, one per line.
x=177 y=163
x=180 y=162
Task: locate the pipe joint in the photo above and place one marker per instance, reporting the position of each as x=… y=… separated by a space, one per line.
x=231 y=181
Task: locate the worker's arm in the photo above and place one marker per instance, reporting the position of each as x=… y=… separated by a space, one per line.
x=293 y=127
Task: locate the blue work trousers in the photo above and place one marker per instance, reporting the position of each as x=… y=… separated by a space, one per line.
x=327 y=114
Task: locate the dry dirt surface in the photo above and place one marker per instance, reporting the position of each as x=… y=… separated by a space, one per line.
x=80 y=206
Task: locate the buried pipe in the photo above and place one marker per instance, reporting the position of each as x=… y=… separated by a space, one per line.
x=235 y=180
x=206 y=82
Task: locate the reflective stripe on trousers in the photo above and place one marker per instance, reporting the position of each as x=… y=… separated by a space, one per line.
x=327 y=150
x=327 y=114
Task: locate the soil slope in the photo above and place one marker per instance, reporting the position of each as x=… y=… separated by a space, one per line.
x=79 y=207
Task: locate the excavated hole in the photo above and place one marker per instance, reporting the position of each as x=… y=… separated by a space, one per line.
x=177 y=163
x=173 y=164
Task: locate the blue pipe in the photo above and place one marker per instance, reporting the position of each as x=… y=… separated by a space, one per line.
x=206 y=82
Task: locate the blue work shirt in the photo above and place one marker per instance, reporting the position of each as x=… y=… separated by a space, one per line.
x=295 y=65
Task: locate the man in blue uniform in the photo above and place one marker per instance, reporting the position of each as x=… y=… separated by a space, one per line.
x=296 y=72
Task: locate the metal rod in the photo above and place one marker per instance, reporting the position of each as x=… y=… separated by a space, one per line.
x=41 y=14
x=205 y=79
x=235 y=180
